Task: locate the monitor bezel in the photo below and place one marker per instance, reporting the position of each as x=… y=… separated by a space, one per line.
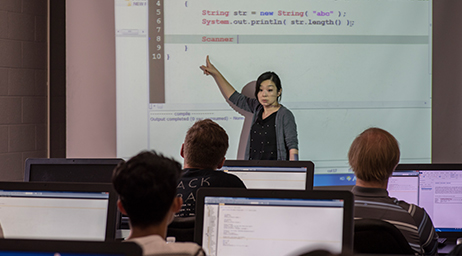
x=111 y=221
x=66 y=246
x=309 y=165
x=67 y=161
x=428 y=167
x=347 y=196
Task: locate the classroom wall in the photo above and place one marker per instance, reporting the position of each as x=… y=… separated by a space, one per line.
x=91 y=103
x=57 y=78
x=23 y=84
x=447 y=82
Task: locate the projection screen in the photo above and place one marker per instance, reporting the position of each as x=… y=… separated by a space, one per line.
x=344 y=65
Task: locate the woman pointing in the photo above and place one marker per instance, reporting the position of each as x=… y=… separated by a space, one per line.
x=273 y=135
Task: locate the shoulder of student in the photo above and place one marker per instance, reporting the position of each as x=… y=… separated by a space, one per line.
x=233 y=180
x=154 y=245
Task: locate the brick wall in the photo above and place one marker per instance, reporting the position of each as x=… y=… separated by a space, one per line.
x=23 y=84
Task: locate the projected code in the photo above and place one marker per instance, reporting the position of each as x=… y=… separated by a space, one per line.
x=158 y=38
x=188 y=23
x=191 y=116
x=334 y=18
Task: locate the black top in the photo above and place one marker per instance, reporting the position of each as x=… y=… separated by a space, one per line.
x=263 y=138
x=193 y=179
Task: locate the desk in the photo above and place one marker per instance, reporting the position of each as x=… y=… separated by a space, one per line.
x=448 y=246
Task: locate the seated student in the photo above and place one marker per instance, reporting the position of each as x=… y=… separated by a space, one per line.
x=204 y=151
x=146 y=185
x=373 y=157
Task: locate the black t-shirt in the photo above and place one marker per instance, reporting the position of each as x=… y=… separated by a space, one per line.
x=263 y=138
x=193 y=179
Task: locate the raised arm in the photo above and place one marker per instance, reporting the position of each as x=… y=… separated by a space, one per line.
x=225 y=87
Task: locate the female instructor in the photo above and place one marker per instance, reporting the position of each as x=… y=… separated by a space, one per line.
x=273 y=135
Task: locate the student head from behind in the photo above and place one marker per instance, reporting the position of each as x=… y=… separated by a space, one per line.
x=204 y=151
x=373 y=156
x=146 y=185
x=205 y=145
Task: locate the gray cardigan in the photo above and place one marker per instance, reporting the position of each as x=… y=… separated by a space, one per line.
x=286 y=128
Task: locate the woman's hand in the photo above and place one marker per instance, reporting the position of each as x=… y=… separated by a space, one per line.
x=209 y=69
x=293 y=154
x=225 y=87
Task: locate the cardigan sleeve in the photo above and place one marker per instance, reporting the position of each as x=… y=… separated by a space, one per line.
x=243 y=102
x=290 y=130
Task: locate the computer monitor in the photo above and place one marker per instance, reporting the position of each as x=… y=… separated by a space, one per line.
x=70 y=169
x=273 y=222
x=9 y=247
x=58 y=211
x=435 y=187
x=267 y=174
x=90 y=170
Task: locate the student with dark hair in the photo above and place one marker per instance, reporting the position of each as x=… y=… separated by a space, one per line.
x=373 y=157
x=273 y=135
x=204 y=151
x=146 y=185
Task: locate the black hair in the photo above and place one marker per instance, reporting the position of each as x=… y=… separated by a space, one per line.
x=269 y=75
x=146 y=185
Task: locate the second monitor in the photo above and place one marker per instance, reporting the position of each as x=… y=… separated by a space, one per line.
x=70 y=169
x=267 y=174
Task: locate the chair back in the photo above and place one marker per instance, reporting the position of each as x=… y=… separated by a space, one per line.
x=182 y=228
x=379 y=237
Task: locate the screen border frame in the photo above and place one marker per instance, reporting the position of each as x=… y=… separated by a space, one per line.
x=67 y=161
